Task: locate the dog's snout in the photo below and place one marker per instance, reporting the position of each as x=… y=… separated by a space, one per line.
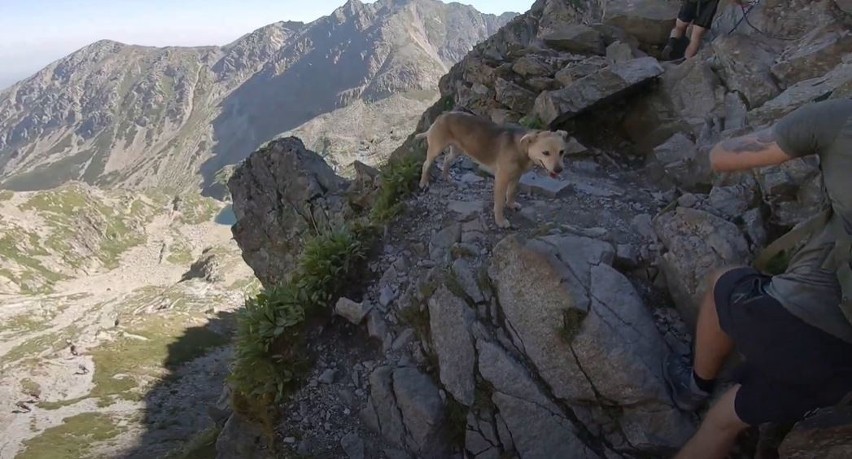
x=557 y=168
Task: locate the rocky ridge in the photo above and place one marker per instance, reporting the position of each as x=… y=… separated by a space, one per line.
x=119 y=115
x=546 y=340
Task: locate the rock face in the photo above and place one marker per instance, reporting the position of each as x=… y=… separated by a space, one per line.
x=406 y=408
x=579 y=325
x=206 y=267
x=450 y=322
x=698 y=243
x=599 y=87
x=547 y=341
x=827 y=433
x=272 y=214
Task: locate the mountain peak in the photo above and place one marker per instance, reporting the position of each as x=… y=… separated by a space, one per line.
x=115 y=114
x=104 y=43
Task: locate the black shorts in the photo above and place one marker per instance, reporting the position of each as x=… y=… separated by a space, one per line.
x=790 y=367
x=699 y=13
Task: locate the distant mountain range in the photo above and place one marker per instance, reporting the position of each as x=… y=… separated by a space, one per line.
x=117 y=115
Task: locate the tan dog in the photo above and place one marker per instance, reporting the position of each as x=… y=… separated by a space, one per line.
x=504 y=151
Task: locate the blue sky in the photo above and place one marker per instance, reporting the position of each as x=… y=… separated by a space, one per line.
x=34 y=33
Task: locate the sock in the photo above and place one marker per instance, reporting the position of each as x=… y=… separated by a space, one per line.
x=704 y=385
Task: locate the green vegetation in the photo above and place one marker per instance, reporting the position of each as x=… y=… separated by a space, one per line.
x=270 y=353
x=399 y=180
x=73 y=438
x=448 y=102
x=180 y=253
x=34 y=347
x=196 y=209
x=30 y=387
x=201 y=446
x=778 y=264
x=531 y=122
x=144 y=352
x=23 y=247
x=60 y=403
x=81 y=226
x=22 y=322
x=224 y=174
x=48 y=175
x=572 y=319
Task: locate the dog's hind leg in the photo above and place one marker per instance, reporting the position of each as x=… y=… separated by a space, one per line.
x=433 y=151
x=448 y=161
x=501 y=184
x=511 y=193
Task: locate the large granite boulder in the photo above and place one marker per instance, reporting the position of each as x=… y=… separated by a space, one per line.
x=589 y=337
x=274 y=208
x=745 y=64
x=697 y=244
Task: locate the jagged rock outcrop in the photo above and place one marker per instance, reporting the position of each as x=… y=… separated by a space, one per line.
x=206 y=268
x=274 y=211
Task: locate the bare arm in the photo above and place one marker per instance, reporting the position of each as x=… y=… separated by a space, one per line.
x=746 y=152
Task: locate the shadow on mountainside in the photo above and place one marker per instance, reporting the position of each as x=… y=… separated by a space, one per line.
x=323 y=66
x=177 y=407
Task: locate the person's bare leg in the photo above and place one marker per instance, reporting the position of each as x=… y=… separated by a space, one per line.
x=712 y=345
x=679 y=29
x=694 y=41
x=717 y=433
x=691 y=381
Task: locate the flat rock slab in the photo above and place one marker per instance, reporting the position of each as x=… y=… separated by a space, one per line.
x=576 y=38
x=602 y=86
x=533 y=183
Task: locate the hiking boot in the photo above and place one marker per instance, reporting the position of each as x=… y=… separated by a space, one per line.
x=666 y=54
x=677 y=371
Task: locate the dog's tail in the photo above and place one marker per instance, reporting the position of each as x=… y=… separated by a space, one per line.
x=422 y=135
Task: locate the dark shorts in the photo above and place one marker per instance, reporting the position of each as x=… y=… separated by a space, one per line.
x=790 y=367
x=699 y=13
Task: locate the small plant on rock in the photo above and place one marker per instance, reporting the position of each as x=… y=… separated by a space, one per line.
x=531 y=122
x=270 y=344
x=399 y=180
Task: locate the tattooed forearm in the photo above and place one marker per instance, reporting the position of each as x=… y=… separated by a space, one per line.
x=758 y=141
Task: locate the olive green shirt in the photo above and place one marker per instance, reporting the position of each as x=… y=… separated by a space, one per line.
x=805 y=289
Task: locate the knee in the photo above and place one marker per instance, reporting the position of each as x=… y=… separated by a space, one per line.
x=719 y=273
x=680 y=26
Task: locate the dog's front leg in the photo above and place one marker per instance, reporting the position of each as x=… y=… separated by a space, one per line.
x=448 y=162
x=511 y=193
x=501 y=183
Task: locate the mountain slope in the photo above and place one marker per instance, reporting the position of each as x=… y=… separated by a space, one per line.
x=112 y=114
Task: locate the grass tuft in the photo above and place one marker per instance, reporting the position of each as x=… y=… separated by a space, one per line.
x=73 y=438
x=270 y=344
x=531 y=122
x=399 y=180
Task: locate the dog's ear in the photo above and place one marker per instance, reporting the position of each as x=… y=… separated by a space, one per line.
x=564 y=134
x=527 y=139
